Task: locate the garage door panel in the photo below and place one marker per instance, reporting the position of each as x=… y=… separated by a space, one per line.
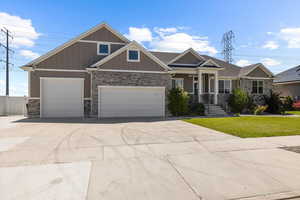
x=131 y=102
x=62 y=97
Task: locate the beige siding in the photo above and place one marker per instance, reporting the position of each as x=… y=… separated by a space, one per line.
x=120 y=63
x=103 y=35
x=77 y=56
x=188 y=58
x=187 y=82
x=292 y=89
x=234 y=84
x=35 y=80
x=258 y=73
x=246 y=84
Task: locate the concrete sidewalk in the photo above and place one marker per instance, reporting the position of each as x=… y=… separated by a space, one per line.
x=142 y=160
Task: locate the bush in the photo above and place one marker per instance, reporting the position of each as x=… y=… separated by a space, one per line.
x=250 y=107
x=178 y=102
x=197 y=109
x=260 y=109
x=288 y=103
x=238 y=101
x=296 y=105
x=274 y=103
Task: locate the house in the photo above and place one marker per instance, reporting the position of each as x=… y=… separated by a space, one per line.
x=101 y=73
x=287 y=83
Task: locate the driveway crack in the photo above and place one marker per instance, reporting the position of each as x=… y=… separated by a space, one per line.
x=184 y=180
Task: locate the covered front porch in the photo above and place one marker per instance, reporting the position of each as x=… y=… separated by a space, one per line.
x=203 y=85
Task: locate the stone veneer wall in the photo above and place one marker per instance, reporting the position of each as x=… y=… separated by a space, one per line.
x=33 y=108
x=126 y=79
x=87 y=107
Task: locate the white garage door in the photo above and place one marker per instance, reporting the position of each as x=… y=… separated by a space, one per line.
x=118 y=101
x=62 y=97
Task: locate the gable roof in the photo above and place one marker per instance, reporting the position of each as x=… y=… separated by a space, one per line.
x=210 y=62
x=190 y=50
x=230 y=70
x=126 y=47
x=165 y=57
x=289 y=75
x=247 y=69
x=76 y=39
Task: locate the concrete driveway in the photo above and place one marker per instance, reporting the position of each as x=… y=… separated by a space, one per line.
x=152 y=159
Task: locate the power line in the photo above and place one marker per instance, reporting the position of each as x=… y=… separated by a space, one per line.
x=7 y=49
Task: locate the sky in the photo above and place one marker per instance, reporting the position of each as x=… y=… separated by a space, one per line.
x=265 y=31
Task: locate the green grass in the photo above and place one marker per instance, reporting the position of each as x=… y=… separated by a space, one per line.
x=255 y=126
x=293 y=112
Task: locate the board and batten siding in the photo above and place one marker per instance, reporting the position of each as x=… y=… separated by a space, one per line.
x=120 y=63
x=36 y=75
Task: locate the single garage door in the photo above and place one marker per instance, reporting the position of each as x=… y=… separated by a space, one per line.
x=126 y=101
x=62 y=97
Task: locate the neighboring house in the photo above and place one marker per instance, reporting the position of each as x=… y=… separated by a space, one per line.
x=287 y=83
x=101 y=73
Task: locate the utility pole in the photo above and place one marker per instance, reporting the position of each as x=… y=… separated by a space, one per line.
x=7 y=35
x=227 y=43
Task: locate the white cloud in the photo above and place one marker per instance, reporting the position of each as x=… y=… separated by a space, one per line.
x=29 y=54
x=243 y=63
x=181 y=41
x=22 y=30
x=291 y=36
x=270 y=45
x=171 y=39
x=139 y=34
x=270 y=62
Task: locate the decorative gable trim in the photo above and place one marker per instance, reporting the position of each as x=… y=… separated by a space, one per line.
x=262 y=67
x=211 y=62
x=76 y=39
x=190 y=50
x=136 y=46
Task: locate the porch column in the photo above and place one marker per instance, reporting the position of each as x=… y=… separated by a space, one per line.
x=199 y=86
x=216 y=87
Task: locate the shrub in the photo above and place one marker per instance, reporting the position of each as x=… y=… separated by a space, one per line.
x=238 y=101
x=250 y=107
x=178 y=102
x=197 y=109
x=288 y=103
x=296 y=105
x=260 y=109
x=275 y=105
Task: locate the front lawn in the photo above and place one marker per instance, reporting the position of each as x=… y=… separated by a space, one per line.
x=293 y=112
x=256 y=126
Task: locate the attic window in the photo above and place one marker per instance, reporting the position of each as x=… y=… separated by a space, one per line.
x=133 y=56
x=103 y=49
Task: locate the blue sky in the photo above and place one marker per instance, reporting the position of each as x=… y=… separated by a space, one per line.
x=266 y=31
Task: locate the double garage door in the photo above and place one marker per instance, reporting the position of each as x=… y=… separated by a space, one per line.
x=122 y=101
x=63 y=97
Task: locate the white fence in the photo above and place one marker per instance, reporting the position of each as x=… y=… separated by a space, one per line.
x=12 y=105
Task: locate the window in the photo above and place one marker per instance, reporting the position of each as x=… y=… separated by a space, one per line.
x=177 y=83
x=257 y=87
x=224 y=86
x=103 y=49
x=133 y=55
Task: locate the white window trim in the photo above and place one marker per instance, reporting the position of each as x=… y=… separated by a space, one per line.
x=105 y=43
x=263 y=84
x=230 y=86
x=139 y=55
x=180 y=79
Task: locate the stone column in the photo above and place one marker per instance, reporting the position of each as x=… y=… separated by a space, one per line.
x=216 y=87
x=199 y=86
